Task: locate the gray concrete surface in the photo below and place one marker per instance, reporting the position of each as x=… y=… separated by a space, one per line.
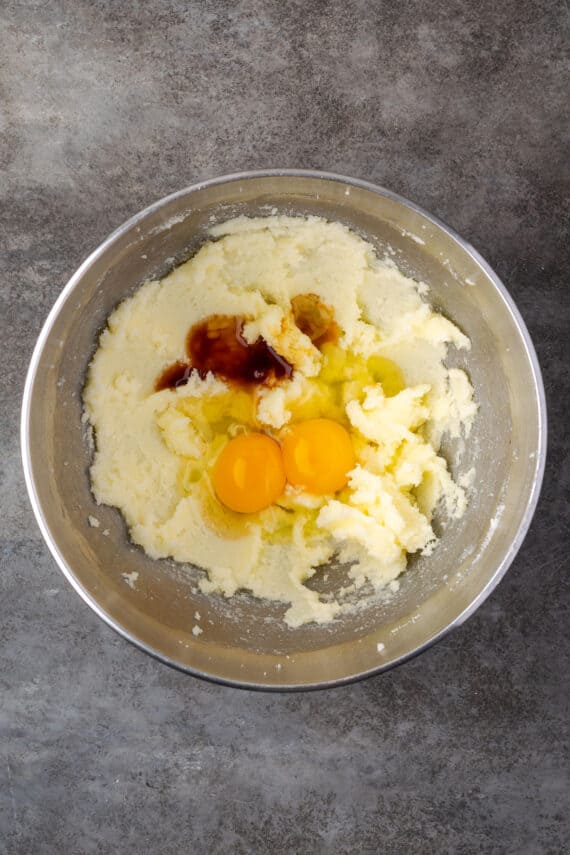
x=106 y=107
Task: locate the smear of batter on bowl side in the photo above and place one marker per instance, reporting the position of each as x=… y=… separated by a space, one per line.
x=278 y=401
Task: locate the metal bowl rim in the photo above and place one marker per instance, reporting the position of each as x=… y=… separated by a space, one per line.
x=540 y=460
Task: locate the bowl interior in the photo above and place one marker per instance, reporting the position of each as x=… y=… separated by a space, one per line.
x=244 y=640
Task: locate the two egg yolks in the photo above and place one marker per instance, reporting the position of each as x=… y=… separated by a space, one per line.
x=252 y=470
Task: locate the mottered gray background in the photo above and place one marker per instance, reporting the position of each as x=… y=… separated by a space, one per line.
x=107 y=106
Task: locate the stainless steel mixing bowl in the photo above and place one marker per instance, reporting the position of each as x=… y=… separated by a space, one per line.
x=244 y=642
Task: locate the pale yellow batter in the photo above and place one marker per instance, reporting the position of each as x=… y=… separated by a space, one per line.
x=155 y=450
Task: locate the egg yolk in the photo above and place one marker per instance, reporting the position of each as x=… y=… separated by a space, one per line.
x=318 y=455
x=248 y=475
